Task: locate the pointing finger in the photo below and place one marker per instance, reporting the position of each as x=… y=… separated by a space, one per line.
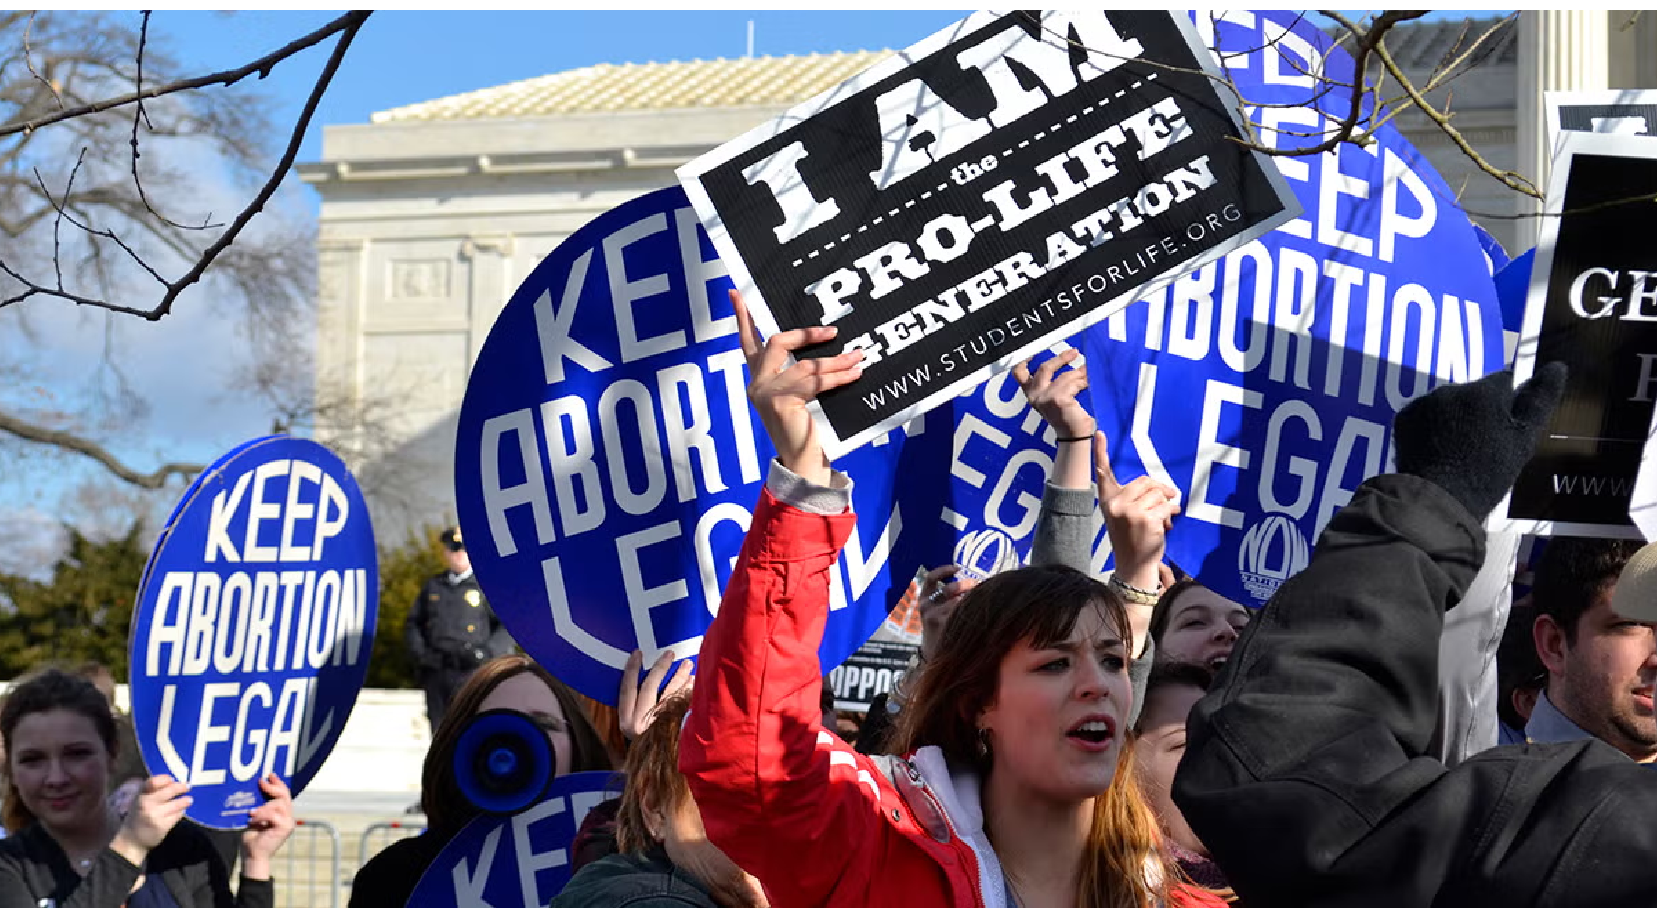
x=745 y=329
x=1107 y=483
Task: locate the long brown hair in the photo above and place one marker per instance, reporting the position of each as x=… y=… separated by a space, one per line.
x=654 y=782
x=446 y=809
x=1124 y=864
x=48 y=690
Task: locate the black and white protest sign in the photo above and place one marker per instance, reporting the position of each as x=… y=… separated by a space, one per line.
x=1593 y=304
x=969 y=201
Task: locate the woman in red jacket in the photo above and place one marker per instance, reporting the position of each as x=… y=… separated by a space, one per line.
x=1020 y=789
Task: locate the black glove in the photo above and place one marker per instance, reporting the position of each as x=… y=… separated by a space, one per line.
x=1472 y=439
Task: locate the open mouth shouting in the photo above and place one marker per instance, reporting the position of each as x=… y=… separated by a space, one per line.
x=1093 y=733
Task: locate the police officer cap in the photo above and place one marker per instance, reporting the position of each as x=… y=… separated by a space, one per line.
x=451 y=539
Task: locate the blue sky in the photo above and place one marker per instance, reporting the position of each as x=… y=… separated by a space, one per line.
x=401 y=57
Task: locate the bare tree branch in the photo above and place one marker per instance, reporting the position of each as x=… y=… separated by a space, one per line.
x=141 y=117
x=346 y=26
x=349 y=22
x=1509 y=178
x=71 y=442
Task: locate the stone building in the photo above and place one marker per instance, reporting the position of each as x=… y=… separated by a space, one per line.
x=433 y=213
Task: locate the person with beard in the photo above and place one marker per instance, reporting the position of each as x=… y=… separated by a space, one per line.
x=1600 y=664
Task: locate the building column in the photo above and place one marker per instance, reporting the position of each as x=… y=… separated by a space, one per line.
x=491 y=258
x=1558 y=50
x=339 y=339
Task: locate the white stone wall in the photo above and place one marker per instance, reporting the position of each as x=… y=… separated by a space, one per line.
x=427 y=228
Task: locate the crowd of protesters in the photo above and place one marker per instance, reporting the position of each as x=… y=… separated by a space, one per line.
x=1064 y=737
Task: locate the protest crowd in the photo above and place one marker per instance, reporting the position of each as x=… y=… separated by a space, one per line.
x=1071 y=731
x=1068 y=738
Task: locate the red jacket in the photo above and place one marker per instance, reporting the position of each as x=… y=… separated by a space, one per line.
x=817 y=823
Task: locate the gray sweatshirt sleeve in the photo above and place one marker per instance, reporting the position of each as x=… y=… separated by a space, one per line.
x=1065 y=528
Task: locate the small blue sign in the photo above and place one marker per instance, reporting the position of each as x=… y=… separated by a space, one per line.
x=1263 y=386
x=254 y=625
x=520 y=860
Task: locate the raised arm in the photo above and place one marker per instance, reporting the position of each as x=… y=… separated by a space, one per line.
x=1067 y=522
x=775 y=789
x=1309 y=773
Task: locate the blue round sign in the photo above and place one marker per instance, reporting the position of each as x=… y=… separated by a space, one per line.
x=520 y=860
x=1263 y=386
x=254 y=625
x=608 y=462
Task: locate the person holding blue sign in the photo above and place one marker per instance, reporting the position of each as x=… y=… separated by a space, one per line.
x=1018 y=729
x=67 y=847
x=510 y=682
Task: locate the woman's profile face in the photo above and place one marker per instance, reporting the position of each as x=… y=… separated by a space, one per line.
x=1057 y=722
x=1161 y=746
x=1202 y=626
x=61 y=768
x=526 y=693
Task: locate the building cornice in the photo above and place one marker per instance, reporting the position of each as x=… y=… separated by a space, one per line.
x=483 y=164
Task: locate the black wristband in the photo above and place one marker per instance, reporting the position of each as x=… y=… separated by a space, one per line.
x=1076 y=439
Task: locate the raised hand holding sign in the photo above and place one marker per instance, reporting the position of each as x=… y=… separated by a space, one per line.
x=781 y=391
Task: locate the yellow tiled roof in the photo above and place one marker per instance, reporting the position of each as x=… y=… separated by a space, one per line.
x=649 y=87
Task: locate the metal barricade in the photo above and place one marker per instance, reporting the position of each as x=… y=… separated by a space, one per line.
x=382 y=834
x=307 y=870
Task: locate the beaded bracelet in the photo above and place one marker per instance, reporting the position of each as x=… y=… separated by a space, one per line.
x=1131 y=594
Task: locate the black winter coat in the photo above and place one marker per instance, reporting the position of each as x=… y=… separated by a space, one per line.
x=622 y=880
x=452 y=627
x=33 y=869
x=1308 y=773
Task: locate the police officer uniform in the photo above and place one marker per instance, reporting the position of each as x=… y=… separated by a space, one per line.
x=451 y=631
